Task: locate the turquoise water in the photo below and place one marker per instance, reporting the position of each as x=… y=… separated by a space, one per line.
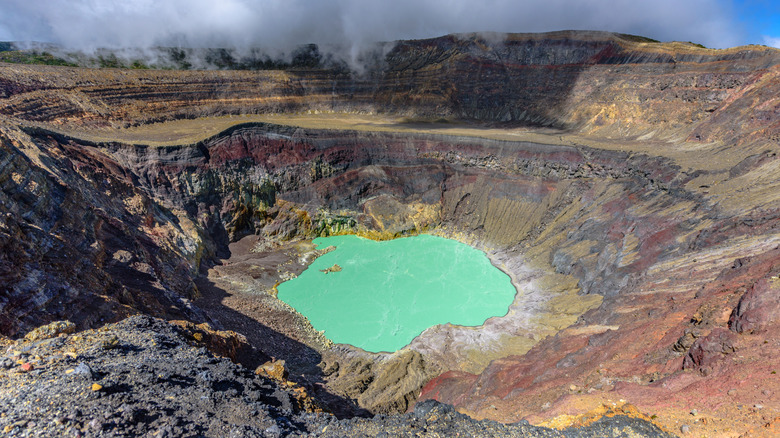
x=389 y=292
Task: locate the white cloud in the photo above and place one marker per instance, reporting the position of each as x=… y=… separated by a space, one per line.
x=771 y=41
x=276 y=23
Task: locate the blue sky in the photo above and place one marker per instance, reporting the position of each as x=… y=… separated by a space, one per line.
x=89 y=24
x=760 y=19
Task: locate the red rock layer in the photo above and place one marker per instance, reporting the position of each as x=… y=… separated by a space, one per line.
x=599 y=83
x=679 y=235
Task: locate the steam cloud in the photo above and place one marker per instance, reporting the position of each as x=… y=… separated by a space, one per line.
x=771 y=41
x=279 y=25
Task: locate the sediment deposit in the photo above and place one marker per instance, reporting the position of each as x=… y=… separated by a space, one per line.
x=629 y=188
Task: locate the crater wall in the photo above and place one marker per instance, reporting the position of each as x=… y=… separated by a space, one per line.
x=632 y=196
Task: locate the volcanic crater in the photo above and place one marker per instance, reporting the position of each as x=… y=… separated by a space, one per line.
x=629 y=188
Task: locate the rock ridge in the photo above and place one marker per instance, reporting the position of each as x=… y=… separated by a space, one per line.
x=142 y=376
x=629 y=189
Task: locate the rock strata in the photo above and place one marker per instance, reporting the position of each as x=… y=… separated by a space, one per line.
x=628 y=188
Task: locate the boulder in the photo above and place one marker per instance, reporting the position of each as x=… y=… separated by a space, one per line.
x=708 y=350
x=758 y=307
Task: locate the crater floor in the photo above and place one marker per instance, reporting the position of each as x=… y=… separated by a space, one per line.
x=629 y=189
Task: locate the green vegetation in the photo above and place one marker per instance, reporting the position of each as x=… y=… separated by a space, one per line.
x=138 y=65
x=32 y=57
x=110 y=61
x=637 y=38
x=179 y=57
x=423 y=120
x=175 y=58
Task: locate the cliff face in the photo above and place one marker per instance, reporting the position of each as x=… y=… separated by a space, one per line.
x=81 y=242
x=631 y=195
x=601 y=83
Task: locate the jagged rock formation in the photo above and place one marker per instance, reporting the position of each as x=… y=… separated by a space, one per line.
x=144 y=377
x=588 y=81
x=629 y=188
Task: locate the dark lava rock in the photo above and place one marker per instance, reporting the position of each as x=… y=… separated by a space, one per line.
x=147 y=384
x=431 y=418
x=83 y=370
x=155 y=383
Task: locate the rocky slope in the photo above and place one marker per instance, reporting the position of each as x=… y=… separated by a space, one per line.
x=127 y=379
x=628 y=188
x=596 y=82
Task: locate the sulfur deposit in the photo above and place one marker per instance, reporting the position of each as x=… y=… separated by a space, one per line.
x=629 y=188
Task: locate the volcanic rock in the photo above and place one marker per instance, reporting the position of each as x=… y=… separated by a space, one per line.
x=628 y=188
x=50 y=330
x=705 y=352
x=157 y=380
x=758 y=308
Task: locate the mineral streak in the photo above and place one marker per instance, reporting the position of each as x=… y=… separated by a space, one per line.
x=629 y=188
